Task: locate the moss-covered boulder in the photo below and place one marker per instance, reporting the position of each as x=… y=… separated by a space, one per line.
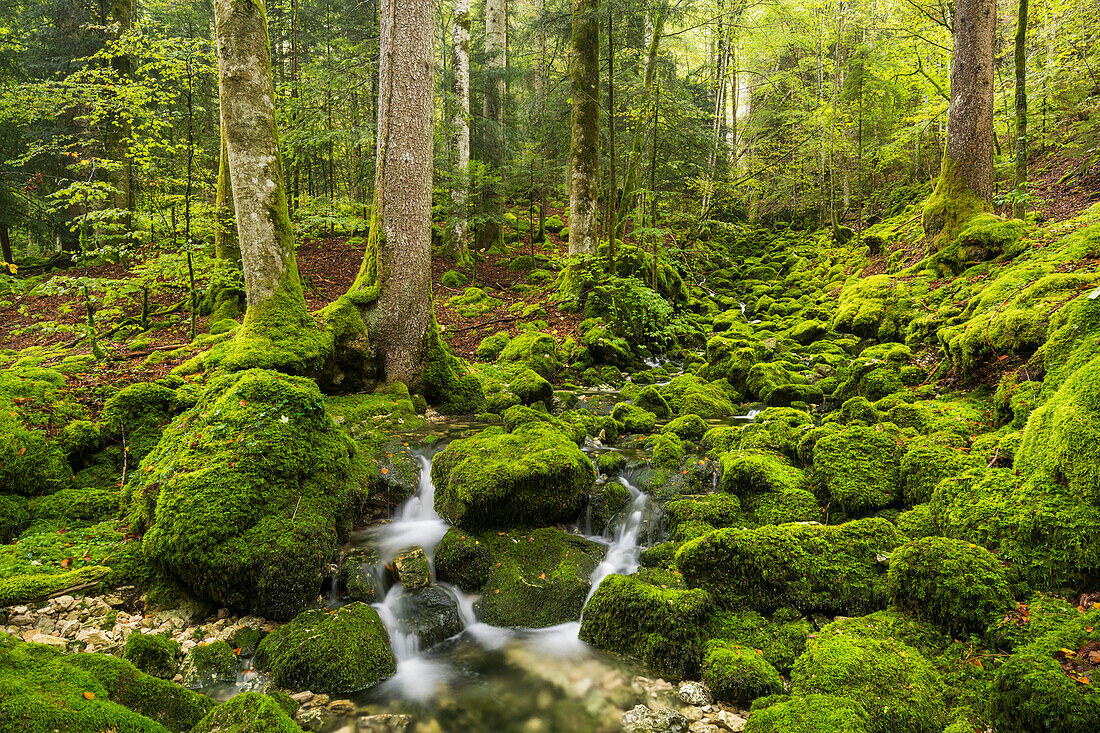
x=804 y=566
x=958 y=586
x=1045 y=686
x=530 y=387
x=250 y=712
x=635 y=419
x=531 y=476
x=45 y=691
x=249 y=494
x=691 y=516
x=780 y=640
x=14 y=516
x=30 y=464
x=650 y=400
x=430 y=614
x=534 y=350
x=895 y=684
x=333 y=653
x=739 y=674
x=490 y=347
x=154 y=654
x=858 y=467
x=207 y=665
x=140 y=412
x=687 y=427
x=664 y=628
x=746 y=472
x=925 y=463
x=526 y=579
x=810 y=714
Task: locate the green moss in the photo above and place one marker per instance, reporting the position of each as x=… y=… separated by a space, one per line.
x=713 y=510
x=14 y=516
x=1035 y=618
x=927 y=462
x=532 y=476
x=746 y=472
x=154 y=654
x=610 y=463
x=791 y=504
x=810 y=714
x=949 y=208
x=454 y=279
x=650 y=399
x=249 y=494
x=534 y=350
x=634 y=418
x=729 y=359
x=528 y=579
x=35 y=586
x=895 y=684
x=30 y=465
x=688 y=427
x=958 y=586
x=917 y=522
x=80 y=439
x=250 y=712
x=780 y=640
x=1032 y=691
x=739 y=674
x=75 y=506
x=44 y=691
x=473 y=302
x=332 y=653
x=778 y=386
x=207 y=665
x=808 y=567
x=858 y=467
x=665 y=629
x=491 y=347
x=531 y=388
x=140 y=411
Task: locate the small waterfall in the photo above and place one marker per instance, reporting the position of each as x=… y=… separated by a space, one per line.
x=622 y=553
x=416 y=522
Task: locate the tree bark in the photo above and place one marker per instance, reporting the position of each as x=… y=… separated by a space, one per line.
x=276 y=306
x=612 y=190
x=491 y=233
x=5 y=246
x=397 y=263
x=584 y=162
x=637 y=148
x=226 y=246
x=965 y=185
x=460 y=61
x=1019 y=204
x=118 y=130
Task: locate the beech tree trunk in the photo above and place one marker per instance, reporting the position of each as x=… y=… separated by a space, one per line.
x=1019 y=204
x=965 y=185
x=491 y=233
x=584 y=160
x=397 y=263
x=460 y=61
x=226 y=246
x=276 y=306
x=655 y=26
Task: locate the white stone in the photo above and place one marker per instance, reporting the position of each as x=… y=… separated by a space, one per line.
x=729 y=721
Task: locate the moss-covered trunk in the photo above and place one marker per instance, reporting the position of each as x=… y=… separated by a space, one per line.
x=1019 y=207
x=460 y=122
x=965 y=185
x=584 y=160
x=226 y=246
x=276 y=305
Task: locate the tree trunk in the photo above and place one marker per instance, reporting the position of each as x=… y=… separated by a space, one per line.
x=276 y=306
x=118 y=131
x=460 y=60
x=397 y=263
x=491 y=233
x=1019 y=204
x=5 y=246
x=965 y=185
x=612 y=190
x=584 y=160
x=226 y=246
x=637 y=148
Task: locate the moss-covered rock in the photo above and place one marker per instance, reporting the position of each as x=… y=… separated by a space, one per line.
x=634 y=418
x=810 y=714
x=534 y=350
x=249 y=494
x=804 y=566
x=14 y=516
x=332 y=653
x=249 y=712
x=650 y=400
x=491 y=346
x=739 y=674
x=154 y=654
x=430 y=614
x=140 y=411
x=858 y=467
x=526 y=579
x=956 y=585
x=746 y=472
x=927 y=462
x=687 y=427
x=532 y=476
x=30 y=464
x=780 y=640
x=1040 y=687
x=207 y=665
x=702 y=513
x=75 y=506
x=44 y=691
x=896 y=685
x=666 y=629
x=530 y=387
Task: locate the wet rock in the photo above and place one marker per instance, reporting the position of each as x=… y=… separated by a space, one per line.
x=384 y=723
x=702 y=726
x=355 y=582
x=313 y=719
x=431 y=614
x=343 y=707
x=642 y=719
x=412 y=568
x=695 y=693
x=208 y=665
x=20 y=620
x=302 y=697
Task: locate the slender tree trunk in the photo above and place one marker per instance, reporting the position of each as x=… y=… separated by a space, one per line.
x=637 y=148
x=226 y=246
x=1019 y=204
x=612 y=190
x=5 y=245
x=122 y=14
x=965 y=185
x=397 y=263
x=491 y=232
x=584 y=158
x=276 y=306
x=460 y=60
